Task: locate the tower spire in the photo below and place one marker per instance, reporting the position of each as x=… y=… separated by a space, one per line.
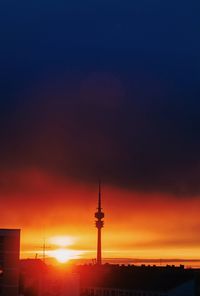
x=99 y=215
x=99 y=201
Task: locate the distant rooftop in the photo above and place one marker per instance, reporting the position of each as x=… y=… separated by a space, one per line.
x=134 y=277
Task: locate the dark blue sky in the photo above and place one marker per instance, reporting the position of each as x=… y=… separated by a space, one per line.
x=106 y=88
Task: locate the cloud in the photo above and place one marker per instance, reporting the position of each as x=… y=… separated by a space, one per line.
x=117 y=98
x=147 y=144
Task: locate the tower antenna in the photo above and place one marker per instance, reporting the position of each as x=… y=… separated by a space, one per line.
x=44 y=248
x=99 y=201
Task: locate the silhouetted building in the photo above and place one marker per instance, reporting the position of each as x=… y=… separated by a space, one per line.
x=70 y=285
x=113 y=280
x=32 y=277
x=38 y=279
x=9 y=262
x=99 y=215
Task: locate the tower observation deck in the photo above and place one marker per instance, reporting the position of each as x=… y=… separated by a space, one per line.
x=99 y=215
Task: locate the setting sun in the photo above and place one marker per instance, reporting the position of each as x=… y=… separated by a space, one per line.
x=64 y=255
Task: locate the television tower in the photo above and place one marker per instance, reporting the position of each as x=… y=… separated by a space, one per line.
x=99 y=215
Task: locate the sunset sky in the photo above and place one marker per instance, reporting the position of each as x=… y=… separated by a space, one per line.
x=101 y=89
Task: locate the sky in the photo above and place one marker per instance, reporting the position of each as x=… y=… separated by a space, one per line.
x=101 y=89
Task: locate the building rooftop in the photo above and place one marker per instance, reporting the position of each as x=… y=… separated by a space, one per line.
x=134 y=277
x=4 y=231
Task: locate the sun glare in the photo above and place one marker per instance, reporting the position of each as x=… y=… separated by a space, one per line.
x=62 y=241
x=64 y=255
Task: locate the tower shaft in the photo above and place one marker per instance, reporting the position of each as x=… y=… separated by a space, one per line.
x=99 y=215
x=99 y=246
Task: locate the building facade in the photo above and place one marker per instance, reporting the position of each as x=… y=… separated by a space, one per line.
x=9 y=262
x=185 y=289
x=111 y=280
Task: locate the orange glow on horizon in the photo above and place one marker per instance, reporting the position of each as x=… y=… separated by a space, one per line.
x=61 y=241
x=137 y=225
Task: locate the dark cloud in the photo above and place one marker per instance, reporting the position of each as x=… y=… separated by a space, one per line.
x=106 y=90
x=163 y=243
